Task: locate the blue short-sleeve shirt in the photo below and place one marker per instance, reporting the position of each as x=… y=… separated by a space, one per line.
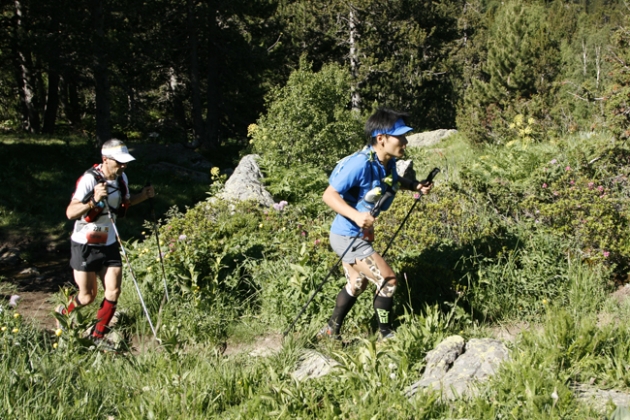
x=353 y=177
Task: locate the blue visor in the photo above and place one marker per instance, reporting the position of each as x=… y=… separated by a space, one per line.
x=399 y=128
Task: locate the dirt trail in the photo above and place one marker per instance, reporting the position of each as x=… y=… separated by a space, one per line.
x=36 y=283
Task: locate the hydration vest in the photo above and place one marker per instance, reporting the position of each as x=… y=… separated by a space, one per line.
x=389 y=182
x=95 y=213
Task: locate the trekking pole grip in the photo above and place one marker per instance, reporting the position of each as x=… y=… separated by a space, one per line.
x=430 y=177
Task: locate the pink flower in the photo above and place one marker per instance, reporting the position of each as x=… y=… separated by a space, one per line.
x=553 y=161
x=606 y=254
x=280 y=206
x=591 y=185
x=416 y=196
x=568 y=168
x=317 y=242
x=600 y=188
x=572 y=182
x=544 y=185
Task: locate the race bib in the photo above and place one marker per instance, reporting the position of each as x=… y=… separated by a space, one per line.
x=96 y=234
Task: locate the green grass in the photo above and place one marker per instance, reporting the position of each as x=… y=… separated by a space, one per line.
x=472 y=258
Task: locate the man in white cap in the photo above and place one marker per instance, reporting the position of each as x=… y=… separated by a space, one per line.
x=355 y=186
x=94 y=250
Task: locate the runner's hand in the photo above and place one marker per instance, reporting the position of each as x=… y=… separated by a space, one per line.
x=364 y=220
x=424 y=188
x=100 y=191
x=148 y=191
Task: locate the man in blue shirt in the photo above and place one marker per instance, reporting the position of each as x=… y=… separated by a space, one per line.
x=356 y=184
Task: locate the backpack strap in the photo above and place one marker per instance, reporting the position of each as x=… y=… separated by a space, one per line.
x=121 y=211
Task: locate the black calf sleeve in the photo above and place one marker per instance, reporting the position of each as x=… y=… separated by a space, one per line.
x=383 y=308
x=344 y=303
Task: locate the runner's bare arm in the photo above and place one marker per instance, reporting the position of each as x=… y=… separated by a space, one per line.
x=76 y=208
x=146 y=193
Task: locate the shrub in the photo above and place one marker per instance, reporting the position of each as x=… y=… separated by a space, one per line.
x=308 y=121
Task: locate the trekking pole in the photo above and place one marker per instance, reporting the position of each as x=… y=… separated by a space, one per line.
x=374 y=210
x=429 y=179
x=157 y=240
x=133 y=276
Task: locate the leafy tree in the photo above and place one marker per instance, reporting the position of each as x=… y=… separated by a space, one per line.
x=397 y=51
x=309 y=120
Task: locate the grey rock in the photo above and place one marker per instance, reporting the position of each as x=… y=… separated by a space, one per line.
x=405 y=169
x=457 y=373
x=599 y=398
x=429 y=138
x=30 y=271
x=439 y=362
x=313 y=365
x=245 y=183
x=10 y=256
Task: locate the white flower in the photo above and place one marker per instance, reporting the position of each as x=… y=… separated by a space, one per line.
x=14 y=300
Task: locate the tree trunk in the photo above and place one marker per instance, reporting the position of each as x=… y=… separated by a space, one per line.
x=354 y=59
x=30 y=118
x=101 y=77
x=52 y=103
x=198 y=129
x=70 y=100
x=175 y=100
x=214 y=92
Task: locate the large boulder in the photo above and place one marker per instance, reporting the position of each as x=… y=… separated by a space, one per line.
x=245 y=183
x=428 y=138
x=456 y=369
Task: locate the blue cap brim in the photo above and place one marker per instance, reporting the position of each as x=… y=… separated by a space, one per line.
x=398 y=129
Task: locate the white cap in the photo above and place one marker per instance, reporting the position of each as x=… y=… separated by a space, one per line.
x=119 y=153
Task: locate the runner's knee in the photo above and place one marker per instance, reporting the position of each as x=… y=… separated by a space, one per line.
x=356 y=285
x=388 y=287
x=85 y=298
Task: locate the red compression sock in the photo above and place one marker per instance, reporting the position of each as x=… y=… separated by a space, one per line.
x=74 y=303
x=103 y=316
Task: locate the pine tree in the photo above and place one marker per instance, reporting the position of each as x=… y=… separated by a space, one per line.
x=618 y=96
x=518 y=75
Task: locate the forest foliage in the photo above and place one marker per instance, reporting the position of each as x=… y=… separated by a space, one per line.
x=200 y=73
x=527 y=225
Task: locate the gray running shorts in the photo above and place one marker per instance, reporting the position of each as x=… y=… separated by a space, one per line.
x=359 y=250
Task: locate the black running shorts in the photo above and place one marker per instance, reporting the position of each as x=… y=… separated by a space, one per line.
x=93 y=258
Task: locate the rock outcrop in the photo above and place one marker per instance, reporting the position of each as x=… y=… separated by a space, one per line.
x=245 y=183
